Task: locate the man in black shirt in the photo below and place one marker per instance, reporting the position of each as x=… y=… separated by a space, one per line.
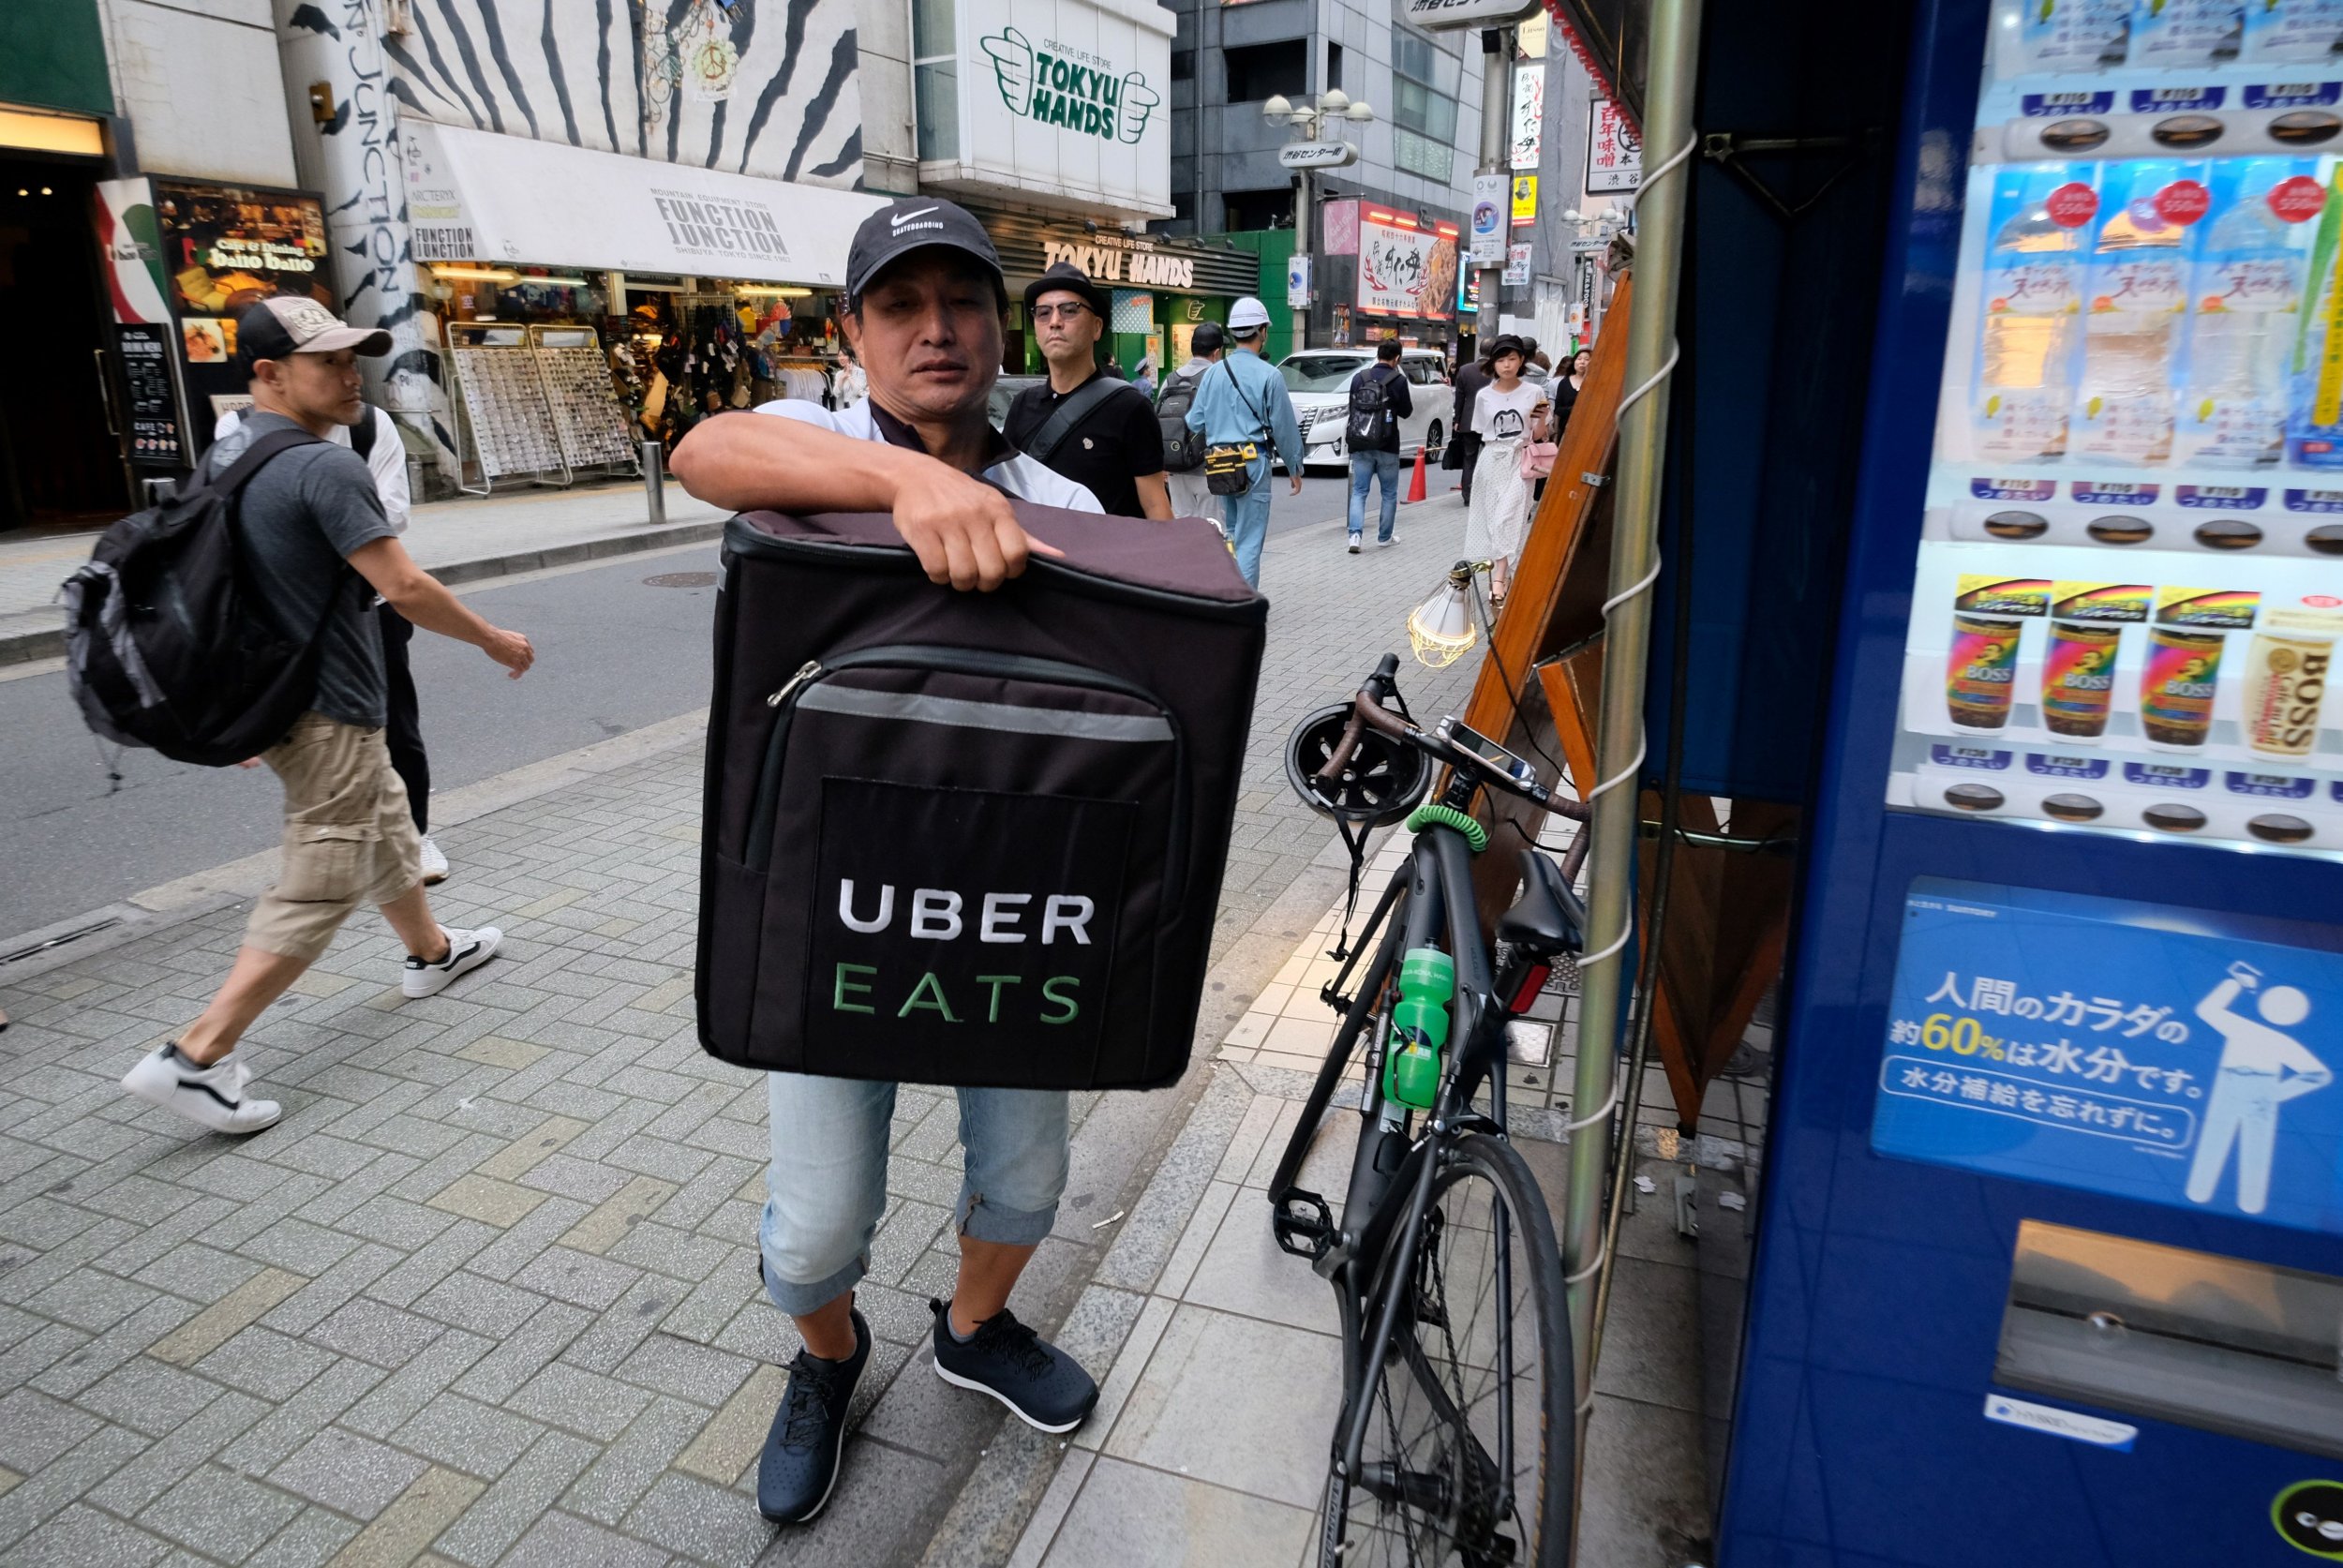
x=1094 y=429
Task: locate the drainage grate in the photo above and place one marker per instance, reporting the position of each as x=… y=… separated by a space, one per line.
x=57 y=941
x=681 y=579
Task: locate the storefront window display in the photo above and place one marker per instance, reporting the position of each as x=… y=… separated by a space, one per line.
x=225 y=248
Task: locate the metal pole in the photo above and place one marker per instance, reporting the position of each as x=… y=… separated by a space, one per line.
x=1302 y=248
x=655 y=482
x=1619 y=742
x=1497 y=60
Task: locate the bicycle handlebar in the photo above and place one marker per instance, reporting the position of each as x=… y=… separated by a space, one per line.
x=1368 y=712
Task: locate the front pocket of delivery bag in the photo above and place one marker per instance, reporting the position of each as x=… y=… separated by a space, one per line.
x=961 y=937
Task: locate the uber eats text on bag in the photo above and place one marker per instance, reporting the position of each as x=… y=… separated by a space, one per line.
x=970 y=838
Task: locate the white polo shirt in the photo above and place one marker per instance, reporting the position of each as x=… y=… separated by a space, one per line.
x=1009 y=470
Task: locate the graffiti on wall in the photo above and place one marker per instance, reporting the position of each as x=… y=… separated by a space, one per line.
x=364 y=177
x=750 y=87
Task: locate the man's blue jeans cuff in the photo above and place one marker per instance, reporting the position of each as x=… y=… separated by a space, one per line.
x=983 y=1221
x=801 y=1300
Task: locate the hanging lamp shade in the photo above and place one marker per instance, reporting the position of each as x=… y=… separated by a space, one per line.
x=1441 y=630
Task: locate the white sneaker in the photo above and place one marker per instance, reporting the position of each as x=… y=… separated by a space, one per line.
x=212 y=1097
x=434 y=863
x=466 y=950
x=1380 y=544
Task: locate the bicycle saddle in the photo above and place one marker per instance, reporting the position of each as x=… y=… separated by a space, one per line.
x=1548 y=917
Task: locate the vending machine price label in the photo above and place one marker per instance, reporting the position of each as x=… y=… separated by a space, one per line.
x=2173 y=1056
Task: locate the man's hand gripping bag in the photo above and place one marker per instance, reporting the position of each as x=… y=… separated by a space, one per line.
x=971 y=839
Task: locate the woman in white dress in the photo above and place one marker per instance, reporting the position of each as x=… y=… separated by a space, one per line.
x=1508 y=414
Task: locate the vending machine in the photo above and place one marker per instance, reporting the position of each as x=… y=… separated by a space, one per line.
x=2049 y=1267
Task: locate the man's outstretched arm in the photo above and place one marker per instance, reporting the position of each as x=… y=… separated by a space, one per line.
x=2214 y=1009
x=961 y=528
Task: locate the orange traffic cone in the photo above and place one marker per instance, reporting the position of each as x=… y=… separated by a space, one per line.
x=1415 y=484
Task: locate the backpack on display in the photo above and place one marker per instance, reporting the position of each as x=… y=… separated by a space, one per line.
x=167 y=643
x=1372 y=424
x=971 y=839
x=1183 y=448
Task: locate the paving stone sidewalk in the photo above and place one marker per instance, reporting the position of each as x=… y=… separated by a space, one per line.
x=488 y=1294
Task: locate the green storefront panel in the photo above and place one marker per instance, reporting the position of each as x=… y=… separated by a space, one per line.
x=52 y=55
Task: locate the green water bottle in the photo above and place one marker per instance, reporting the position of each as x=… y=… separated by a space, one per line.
x=1419 y=1028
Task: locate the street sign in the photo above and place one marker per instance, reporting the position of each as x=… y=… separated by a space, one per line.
x=1317 y=155
x=1589 y=244
x=1439 y=15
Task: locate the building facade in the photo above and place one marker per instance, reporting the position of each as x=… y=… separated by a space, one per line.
x=88 y=89
x=1414 y=161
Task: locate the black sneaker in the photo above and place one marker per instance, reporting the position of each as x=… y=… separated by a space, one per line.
x=800 y=1461
x=1017 y=1367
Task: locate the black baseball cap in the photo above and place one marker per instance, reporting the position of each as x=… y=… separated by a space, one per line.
x=1066 y=277
x=918 y=223
x=1208 y=337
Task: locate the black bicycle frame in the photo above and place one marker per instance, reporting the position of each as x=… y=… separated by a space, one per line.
x=1436 y=900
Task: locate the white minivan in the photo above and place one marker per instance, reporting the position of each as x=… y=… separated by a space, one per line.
x=1319 y=382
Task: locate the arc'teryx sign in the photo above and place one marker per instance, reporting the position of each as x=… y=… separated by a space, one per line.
x=1062 y=86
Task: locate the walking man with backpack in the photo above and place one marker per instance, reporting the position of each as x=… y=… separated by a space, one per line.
x=1095 y=429
x=311 y=541
x=1242 y=407
x=1183 y=448
x=375 y=439
x=1379 y=401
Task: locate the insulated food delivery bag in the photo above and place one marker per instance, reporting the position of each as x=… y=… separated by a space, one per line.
x=970 y=838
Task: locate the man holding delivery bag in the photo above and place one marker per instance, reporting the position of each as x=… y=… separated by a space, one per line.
x=925 y=300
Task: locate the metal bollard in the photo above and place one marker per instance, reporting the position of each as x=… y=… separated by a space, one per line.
x=655 y=482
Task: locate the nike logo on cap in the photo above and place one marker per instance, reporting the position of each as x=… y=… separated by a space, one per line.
x=899 y=219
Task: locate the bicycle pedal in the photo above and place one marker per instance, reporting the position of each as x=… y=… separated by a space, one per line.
x=1304 y=1235
x=1335 y=999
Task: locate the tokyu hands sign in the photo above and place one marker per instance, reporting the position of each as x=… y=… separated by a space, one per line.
x=1059 y=85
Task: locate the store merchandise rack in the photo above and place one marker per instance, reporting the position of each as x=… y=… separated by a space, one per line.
x=534 y=403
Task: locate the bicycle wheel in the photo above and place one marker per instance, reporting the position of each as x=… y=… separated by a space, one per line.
x=1468 y=1453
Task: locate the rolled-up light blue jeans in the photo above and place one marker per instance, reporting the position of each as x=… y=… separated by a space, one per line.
x=1247 y=517
x=825 y=1191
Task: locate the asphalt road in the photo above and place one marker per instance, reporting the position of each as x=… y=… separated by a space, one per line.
x=614 y=654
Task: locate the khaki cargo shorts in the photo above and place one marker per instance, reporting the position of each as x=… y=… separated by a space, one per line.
x=349 y=836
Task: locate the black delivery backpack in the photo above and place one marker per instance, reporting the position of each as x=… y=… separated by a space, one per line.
x=970 y=838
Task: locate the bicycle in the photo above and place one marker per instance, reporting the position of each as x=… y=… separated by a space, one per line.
x=1457 y=1442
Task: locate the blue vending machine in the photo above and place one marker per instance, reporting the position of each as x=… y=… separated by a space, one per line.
x=2049 y=1259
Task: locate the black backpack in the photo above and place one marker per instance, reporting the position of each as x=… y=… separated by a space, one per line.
x=1183 y=448
x=1373 y=428
x=167 y=644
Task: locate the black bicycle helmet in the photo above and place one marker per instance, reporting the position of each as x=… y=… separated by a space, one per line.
x=1383 y=782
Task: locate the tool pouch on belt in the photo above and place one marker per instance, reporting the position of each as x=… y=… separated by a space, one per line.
x=1228 y=468
x=970 y=838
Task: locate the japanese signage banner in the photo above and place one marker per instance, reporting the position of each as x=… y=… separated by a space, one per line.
x=1528 y=115
x=2166 y=1055
x=1404 y=271
x=1613 y=149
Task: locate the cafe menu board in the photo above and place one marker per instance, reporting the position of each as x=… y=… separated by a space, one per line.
x=2129 y=590
x=153 y=404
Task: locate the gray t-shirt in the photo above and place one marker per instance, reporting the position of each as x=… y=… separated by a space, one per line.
x=298 y=519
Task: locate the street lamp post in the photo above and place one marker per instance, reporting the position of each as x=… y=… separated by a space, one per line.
x=1332 y=105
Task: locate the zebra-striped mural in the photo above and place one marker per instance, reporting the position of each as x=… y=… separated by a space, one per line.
x=748 y=86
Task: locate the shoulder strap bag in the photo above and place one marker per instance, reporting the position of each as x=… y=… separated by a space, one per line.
x=1076 y=408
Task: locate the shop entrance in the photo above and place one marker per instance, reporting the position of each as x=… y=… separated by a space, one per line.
x=60 y=460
